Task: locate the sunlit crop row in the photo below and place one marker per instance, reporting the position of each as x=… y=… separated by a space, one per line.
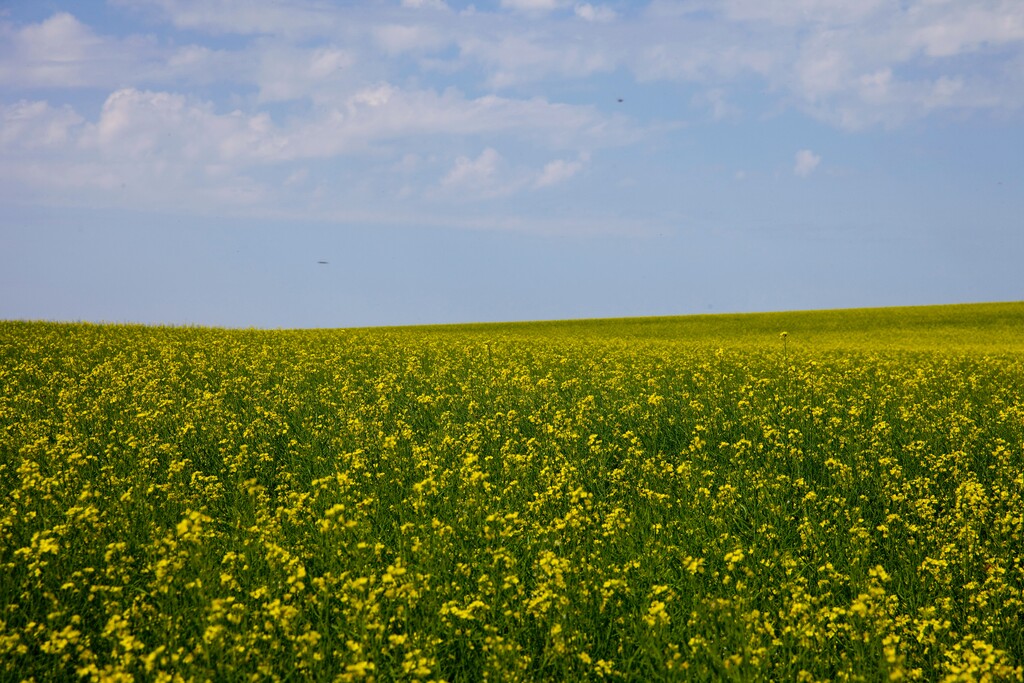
x=511 y=503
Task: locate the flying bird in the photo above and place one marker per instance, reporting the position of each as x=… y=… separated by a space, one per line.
x=322 y=263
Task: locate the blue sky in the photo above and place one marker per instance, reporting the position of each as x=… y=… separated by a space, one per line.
x=193 y=161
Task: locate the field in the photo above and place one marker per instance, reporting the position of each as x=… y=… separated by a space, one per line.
x=789 y=497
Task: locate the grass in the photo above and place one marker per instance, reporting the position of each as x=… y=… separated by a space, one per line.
x=642 y=499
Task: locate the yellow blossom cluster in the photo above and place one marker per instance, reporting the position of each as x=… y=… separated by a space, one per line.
x=655 y=499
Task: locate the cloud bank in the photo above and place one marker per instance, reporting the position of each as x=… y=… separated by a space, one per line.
x=230 y=103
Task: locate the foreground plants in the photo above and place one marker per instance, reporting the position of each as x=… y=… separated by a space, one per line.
x=649 y=500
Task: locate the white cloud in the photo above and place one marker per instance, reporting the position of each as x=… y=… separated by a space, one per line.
x=372 y=82
x=285 y=73
x=294 y=18
x=161 y=128
x=375 y=96
x=713 y=54
x=139 y=124
x=148 y=124
x=428 y=4
x=532 y=5
x=59 y=52
x=478 y=176
x=151 y=149
x=806 y=162
x=558 y=171
x=516 y=58
x=59 y=40
x=173 y=149
x=36 y=125
x=489 y=175
x=950 y=28
x=472 y=171
x=38 y=177
x=385 y=112
x=875 y=87
x=715 y=100
x=944 y=91
x=146 y=149
x=882 y=68
x=801 y=12
x=409 y=163
x=853 y=64
x=600 y=13
x=62 y=52
x=824 y=74
x=398 y=38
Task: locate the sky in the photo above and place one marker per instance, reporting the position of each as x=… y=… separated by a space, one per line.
x=305 y=163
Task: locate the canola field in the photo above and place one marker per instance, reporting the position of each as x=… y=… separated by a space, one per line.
x=696 y=498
